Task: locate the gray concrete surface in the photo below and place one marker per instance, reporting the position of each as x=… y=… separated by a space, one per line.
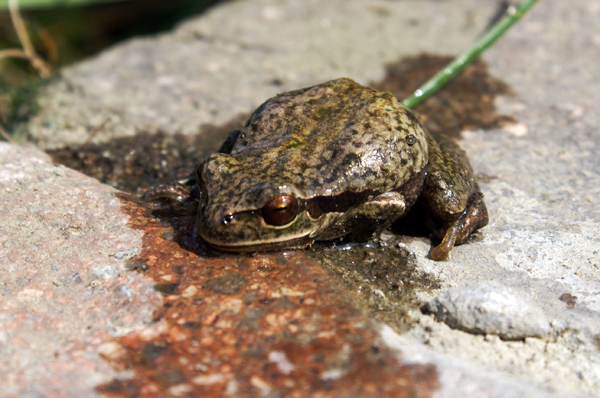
x=543 y=238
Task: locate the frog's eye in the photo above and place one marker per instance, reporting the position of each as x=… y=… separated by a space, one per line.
x=281 y=210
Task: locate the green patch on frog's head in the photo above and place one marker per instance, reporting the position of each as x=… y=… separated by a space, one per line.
x=291 y=144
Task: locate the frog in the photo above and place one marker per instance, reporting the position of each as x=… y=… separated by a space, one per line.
x=334 y=160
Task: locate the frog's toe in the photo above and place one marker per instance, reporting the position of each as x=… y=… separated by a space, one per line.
x=458 y=231
x=442 y=251
x=172 y=192
x=174 y=197
x=474 y=217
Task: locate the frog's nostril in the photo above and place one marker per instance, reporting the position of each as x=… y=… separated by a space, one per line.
x=227 y=219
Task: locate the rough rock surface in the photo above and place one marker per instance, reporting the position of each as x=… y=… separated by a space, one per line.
x=490 y=308
x=542 y=190
x=64 y=287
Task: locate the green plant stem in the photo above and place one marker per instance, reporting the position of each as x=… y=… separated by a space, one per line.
x=513 y=14
x=6 y=136
x=38 y=63
x=31 y=4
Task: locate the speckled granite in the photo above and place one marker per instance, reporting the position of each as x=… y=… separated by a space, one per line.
x=64 y=288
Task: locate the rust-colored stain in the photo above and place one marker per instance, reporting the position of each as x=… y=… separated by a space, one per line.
x=274 y=325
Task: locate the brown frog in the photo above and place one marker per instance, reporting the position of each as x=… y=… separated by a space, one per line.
x=332 y=160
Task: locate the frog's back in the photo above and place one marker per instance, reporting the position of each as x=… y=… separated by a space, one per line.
x=336 y=134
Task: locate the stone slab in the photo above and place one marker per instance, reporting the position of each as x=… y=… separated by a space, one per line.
x=542 y=193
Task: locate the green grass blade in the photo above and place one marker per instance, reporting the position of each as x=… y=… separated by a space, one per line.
x=26 y=4
x=513 y=14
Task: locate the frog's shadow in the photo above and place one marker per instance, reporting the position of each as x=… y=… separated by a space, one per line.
x=414 y=224
x=182 y=222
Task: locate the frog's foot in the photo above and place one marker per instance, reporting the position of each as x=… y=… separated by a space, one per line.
x=366 y=221
x=182 y=197
x=474 y=216
x=172 y=192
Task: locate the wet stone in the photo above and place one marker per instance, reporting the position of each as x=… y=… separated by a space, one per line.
x=145 y=160
x=381 y=279
x=465 y=102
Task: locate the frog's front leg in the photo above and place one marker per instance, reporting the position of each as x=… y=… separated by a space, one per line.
x=184 y=198
x=368 y=219
x=452 y=196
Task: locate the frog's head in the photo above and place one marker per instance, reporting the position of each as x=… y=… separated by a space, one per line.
x=242 y=210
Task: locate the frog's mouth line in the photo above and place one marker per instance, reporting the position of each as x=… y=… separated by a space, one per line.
x=262 y=246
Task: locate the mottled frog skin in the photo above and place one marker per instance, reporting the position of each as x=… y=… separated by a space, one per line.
x=332 y=160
